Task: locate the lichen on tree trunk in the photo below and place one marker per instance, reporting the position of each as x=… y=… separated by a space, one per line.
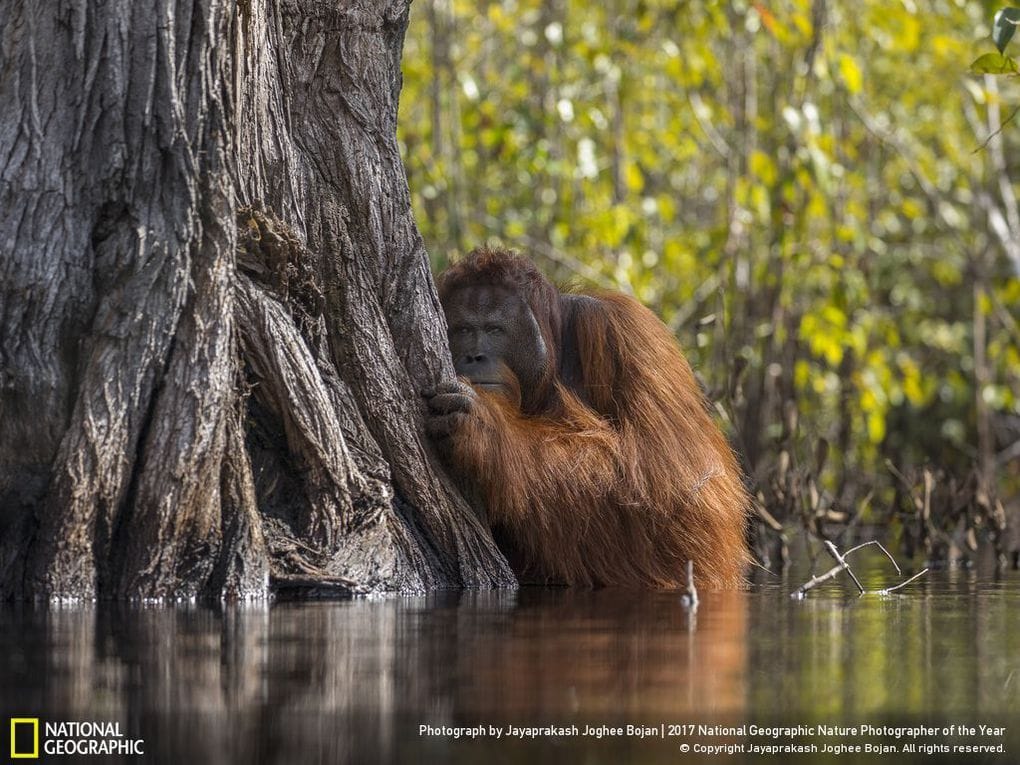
x=216 y=311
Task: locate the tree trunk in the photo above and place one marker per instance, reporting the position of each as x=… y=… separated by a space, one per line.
x=216 y=312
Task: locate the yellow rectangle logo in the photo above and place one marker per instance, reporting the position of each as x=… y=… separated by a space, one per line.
x=34 y=754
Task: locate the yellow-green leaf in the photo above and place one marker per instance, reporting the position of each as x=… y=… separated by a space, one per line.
x=850 y=73
x=994 y=63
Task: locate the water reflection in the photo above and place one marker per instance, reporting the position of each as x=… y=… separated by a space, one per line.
x=353 y=681
x=949 y=645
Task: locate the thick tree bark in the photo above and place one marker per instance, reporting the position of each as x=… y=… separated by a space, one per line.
x=216 y=311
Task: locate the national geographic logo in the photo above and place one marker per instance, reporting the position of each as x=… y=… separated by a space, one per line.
x=24 y=738
x=69 y=738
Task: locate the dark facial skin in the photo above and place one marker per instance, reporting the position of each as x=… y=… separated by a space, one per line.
x=492 y=330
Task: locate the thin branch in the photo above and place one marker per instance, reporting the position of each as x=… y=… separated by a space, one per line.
x=690 y=598
x=704 y=291
x=1005 y=317
x=714 y=137
x=907 y=484
x=842 y=565
x=546 y=250
x=998 y=130
x=880 y=547
x=887 y=590
x=1008 y=454
x=767 y=517
x=831 y=549
x=814 y=581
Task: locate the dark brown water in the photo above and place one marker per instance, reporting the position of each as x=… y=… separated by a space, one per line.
x=355 y=681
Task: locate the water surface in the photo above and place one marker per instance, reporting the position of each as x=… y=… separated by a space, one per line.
x=355 y=681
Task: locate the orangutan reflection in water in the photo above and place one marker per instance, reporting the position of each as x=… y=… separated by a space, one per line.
x=353 y=680
x=609 y=655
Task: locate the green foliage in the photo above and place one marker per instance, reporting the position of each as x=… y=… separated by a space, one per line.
x=1003 y=28
x=994 y=63
x=799 y=189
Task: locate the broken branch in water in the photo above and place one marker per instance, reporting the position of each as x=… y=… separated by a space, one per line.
x=831 y=548
x=817 y=580
x=843 y=565
x=879 y=545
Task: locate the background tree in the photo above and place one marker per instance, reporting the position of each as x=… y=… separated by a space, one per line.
x=215 y=309
x=815 y=195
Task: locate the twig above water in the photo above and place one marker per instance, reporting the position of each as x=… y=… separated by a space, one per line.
x=879 y=545
x=918 y=575
x=843 y=565
x=814 y=581
x=690 y=598
x=831 y=549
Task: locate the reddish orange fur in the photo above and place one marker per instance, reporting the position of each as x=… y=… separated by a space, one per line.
x=623 y=489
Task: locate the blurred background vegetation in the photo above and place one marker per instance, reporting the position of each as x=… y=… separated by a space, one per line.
x=816 y=196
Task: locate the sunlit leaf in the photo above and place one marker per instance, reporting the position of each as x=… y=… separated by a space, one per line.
x=761 y=165
x=634 y=179
x=994 y=63
x=850 y=73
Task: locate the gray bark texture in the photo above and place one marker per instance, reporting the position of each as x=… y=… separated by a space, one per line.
x=216 y=312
